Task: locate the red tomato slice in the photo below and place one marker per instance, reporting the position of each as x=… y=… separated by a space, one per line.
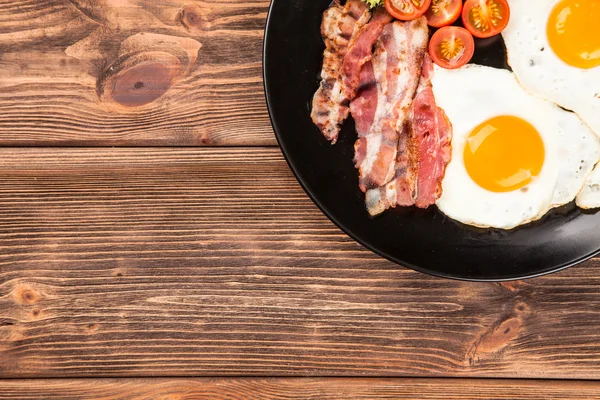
x=406 y=10
x=443 y=12
x=485 y=18
x=451 y=47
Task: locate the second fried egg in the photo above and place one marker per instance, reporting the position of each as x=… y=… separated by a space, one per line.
x=553 y=48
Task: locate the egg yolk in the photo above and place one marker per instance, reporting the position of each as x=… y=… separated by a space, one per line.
x=574 y=32
x=504 y=153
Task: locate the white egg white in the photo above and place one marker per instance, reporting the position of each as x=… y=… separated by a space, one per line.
x=540 y=71
x=589 y=197
x=578 y=151
x=474 y=94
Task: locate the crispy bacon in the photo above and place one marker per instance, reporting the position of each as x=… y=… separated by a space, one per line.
x=424 y=151
x=339 y=28
x=380 y=114
x=364 y=106
x=379 y=71
x=432 y=134
x=360 y=51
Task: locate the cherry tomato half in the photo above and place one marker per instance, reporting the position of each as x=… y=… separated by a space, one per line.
x=406 y=10
x=485 y=18
x=443 y=12
x=451 y=47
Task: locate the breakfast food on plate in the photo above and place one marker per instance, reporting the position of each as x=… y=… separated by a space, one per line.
x=488 y=147
x=360 y=51
x=423 y=153
x=553 y=48
x=406 y=10
x=485 y=18
x=388 y=87
x=349 y=33
x=451 y=47
x=515 y=155
x=589 y=197
x=443 y=12
x=340 y=26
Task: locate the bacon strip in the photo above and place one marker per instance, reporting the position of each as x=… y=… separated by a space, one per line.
x=380 y=119
x=403 y=144
x=432 y=132
x=360 y=51
x=340 y=27
x=364 y=106
x=424 y=151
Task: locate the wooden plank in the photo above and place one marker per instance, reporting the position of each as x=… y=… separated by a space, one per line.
x=132 y=72
x=299 y=388
x=204 y=262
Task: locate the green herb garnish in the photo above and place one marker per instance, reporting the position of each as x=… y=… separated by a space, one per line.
x=373 y=3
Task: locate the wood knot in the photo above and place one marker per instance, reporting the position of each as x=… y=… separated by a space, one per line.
x=117 y=273
x=522 y=309
x=493 y=340
x=26 y=295
x=192 y=18
x=147 y=66
x=142 y=80
x=91 y=328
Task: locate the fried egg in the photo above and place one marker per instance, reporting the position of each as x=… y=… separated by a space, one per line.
x=514 y=155
x=554 y=49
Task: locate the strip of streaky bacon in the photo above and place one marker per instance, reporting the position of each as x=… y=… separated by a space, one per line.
x=381 y=108
x=433 y=133
x=424 y=152
x=339 y=28
x=360 y=51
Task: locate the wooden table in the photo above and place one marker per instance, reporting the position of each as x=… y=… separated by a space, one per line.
x=154 y=243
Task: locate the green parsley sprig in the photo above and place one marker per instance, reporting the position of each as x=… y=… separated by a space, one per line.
x=373 y=3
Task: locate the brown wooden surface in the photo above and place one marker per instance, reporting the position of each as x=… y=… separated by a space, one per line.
x=303 y=388
x=174 y=262
x=79 y=72
x=134 y=263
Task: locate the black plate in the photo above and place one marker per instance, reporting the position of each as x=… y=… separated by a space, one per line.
x=424 y=240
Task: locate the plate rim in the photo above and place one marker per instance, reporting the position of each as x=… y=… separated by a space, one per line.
x=348 y=232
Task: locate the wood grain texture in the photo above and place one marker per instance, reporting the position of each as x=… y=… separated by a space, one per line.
x=299 y=388
x=175 y=262
x=132 y=73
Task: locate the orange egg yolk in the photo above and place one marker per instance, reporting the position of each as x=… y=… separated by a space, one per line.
x=504 y=153
x=574 y=32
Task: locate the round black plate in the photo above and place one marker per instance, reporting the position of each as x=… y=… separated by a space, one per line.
x=424 y=240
